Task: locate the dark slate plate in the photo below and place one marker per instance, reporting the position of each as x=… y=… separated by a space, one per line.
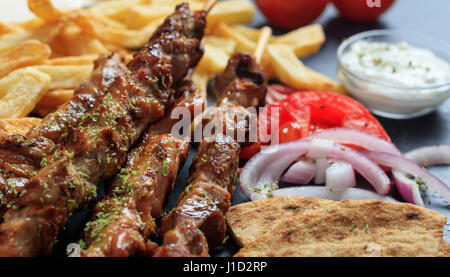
x=406 y=134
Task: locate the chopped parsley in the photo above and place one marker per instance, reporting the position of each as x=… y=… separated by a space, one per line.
x=165 y=168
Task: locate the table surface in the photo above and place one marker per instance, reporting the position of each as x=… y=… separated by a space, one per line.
x=431 y=17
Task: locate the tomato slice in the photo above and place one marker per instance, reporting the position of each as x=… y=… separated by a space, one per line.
x=304 y=112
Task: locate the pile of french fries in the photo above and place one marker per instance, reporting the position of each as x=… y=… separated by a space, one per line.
x=43 y=60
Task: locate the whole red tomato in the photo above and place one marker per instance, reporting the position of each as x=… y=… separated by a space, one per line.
x=291 y=14
x=362 y=10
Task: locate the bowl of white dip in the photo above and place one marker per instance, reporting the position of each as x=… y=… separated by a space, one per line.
x=396 y=74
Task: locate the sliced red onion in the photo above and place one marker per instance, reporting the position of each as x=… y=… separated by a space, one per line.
x=301 y=173
x=409 y=191
x=430 y=155
x=323 y=192
x=340 y=176
x=263 y=170
x=425 y=156
x=322 y=165
x=407 y=188
x=319 y=148
x=357 y=138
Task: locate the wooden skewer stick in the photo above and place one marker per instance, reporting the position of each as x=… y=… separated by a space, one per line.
x=209 y=4
x=263 y=40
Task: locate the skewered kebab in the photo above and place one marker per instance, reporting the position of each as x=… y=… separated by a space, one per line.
x=94 y=130
x=197 y=223
x=124 y=220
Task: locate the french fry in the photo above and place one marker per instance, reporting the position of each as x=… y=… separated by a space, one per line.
x=306 y=40
x=21 y=90
x=44 y=9
x=201 y=80
x=73 y=60
x=291 y=71
x=52 y=100
x=17 y=126
x=116 y=10
x=140 y=16
x=31 y=24
x=72 y=42
x=226 y=44
x=28 y=53
x=214 y=60
x=130 y=39
x=44 y=33
x=242 y=42
x=7 y=28
x=230 y=12
x=66 y=76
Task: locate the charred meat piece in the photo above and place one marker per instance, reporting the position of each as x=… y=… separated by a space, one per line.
x=202 y=205
x=188 y=98
x=239 y=87
x=124 y=219
x=96 y=128
x=213 y=175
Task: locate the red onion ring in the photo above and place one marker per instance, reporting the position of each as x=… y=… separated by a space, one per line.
x=262 y=171
x=323 y=192
x=340 y=176
x=410 y=167
x=301 y=172
x=424 y=156
x=357 y=138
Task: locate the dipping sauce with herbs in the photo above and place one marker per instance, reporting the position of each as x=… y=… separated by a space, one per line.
x=397 y=64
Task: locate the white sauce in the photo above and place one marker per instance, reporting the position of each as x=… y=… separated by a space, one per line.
x=396 y=64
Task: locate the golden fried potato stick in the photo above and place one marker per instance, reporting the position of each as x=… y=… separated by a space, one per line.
x=73 y=60
x=31 y=52
x=291 y=71
x=17 y=126
x=242 y=42
x=21 y=90
x=261 y=46
x=44 y=9
x=66 y=76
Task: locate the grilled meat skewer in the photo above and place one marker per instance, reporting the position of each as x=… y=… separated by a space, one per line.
x=124 y=220
x=198 y=223
x=95 y=129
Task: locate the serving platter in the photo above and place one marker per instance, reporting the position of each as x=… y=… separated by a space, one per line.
x=406 y=134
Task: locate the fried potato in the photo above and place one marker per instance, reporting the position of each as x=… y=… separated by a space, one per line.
x=72 y=42
x=44 y=33
x=17 y=126
x=305 y=40
x=230 y=12
x=21 y=90
x=226 y=44
x=242 y=42
x=7 y=28
x=66 y=76
x=116 y=10
x=214 y=60
x=201 y=80
x=291 y=71
x=73 y=60
x=130 y=39
x=52 y=100
x=140 y=16
x=44 y=9
x=30 y=52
